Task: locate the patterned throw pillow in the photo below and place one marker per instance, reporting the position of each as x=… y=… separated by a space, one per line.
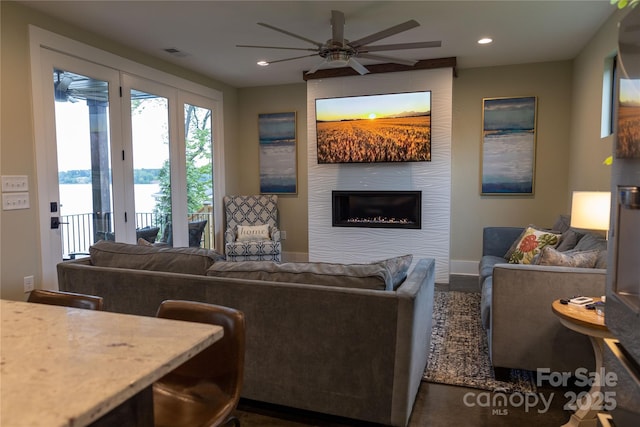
x=531 y=243
x=551 y=256
x=253 y=232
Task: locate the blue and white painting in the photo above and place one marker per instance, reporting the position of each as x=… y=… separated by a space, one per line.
x=508 y=145
x=278 y=169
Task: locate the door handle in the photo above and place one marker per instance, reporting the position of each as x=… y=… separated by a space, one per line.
x=55 y=222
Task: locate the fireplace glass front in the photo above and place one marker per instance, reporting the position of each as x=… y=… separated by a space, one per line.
x=377 y=209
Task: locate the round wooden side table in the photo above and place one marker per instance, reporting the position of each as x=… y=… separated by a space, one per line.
x=589 y=323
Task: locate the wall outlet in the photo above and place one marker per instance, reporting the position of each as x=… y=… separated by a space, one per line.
x=15 y=183
x=12 y=201
x=28 y=283
x=283 y=235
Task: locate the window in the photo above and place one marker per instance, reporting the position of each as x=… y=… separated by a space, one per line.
x=608 y=96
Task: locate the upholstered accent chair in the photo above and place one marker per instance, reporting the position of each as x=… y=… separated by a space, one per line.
x=252 y=232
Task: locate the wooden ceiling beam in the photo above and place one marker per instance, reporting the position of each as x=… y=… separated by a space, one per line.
x=423 y=64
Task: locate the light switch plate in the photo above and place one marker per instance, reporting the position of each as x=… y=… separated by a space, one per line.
x=12 y=201
x=15 y=183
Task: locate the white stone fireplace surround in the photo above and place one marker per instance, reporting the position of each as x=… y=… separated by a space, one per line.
x=340 y=244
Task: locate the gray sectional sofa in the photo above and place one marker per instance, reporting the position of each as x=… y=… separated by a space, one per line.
x=347 y=351
x=522 y=330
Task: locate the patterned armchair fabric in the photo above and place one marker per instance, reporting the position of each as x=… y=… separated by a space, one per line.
x=252 y=210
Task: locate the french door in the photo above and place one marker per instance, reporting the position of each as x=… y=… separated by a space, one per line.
x=121 y=158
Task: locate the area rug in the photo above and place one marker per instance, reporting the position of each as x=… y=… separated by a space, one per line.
x=459 y=353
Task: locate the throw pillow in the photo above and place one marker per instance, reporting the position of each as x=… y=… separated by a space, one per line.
x=195 y=233
x=516 y=242
x=551 y=256
x=253 y=232
x=398 y=268
x=142 y=242
x=562 y=224
x=531 y=243
x=568 y=240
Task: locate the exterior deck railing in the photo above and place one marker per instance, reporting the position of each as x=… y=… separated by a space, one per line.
x=80 y=231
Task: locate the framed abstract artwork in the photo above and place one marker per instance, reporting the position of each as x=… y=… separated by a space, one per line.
x=278 y=158
x=508 y=146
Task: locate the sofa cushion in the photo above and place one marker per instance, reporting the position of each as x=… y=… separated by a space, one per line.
x=363 y=276
x=531 y=243
x=551 y=256
x=485 y=303
x=173 y=260
x=486 y=266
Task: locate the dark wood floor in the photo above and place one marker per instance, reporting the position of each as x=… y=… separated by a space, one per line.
x=436 y=404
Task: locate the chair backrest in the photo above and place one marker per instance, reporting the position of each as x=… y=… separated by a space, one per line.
x=222 y=362
x=195 y=228
x=251 y=210
x=66 y=299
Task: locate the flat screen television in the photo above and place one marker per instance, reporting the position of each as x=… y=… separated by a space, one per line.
x=393 y=127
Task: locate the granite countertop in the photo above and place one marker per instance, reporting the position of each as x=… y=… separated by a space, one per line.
x=68 y=367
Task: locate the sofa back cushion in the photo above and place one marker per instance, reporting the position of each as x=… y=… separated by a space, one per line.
x=363 y=276
x=172 y=260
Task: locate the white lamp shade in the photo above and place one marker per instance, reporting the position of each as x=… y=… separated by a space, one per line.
x=590 y=210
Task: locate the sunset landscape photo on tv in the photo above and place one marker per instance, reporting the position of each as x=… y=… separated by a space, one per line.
x=394 y=127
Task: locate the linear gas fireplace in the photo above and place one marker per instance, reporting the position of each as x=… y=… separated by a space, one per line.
x=377 y=209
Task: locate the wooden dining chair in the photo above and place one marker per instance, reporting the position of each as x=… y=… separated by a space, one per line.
x=205 y=390
x=67 y=299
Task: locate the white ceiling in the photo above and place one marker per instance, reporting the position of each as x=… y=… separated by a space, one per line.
x=206 y=32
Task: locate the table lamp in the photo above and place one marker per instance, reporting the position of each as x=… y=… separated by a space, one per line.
x=590 y=210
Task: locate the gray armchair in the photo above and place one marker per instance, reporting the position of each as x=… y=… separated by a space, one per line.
x=259 y=212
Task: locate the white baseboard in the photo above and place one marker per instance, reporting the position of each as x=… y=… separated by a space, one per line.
x=463 y=267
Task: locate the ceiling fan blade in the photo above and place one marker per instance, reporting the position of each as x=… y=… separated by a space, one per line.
x=361 y=69
x=337 y=26
x=408 y=62
x=278 y=47
x=399 y=46
x=317 y=67
x=290 y=59
x=385 y=33
x=290 y=34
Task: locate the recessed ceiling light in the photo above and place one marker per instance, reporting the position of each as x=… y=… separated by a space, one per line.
x=485 y=40
x=263 y=63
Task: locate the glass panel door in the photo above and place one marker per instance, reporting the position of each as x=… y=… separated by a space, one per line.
x=199 y=174
x=151 y=166
x=84 y=161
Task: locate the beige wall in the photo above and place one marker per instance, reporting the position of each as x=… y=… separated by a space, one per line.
x=551 y=84
x=292 y=208
x=588 y=149
x=19 y=234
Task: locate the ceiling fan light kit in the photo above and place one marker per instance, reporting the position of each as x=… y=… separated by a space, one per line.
x=339 y=52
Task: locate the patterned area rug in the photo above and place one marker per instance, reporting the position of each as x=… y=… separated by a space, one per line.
x=459 y=353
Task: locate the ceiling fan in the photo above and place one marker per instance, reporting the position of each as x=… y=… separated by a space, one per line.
x=340 y=52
